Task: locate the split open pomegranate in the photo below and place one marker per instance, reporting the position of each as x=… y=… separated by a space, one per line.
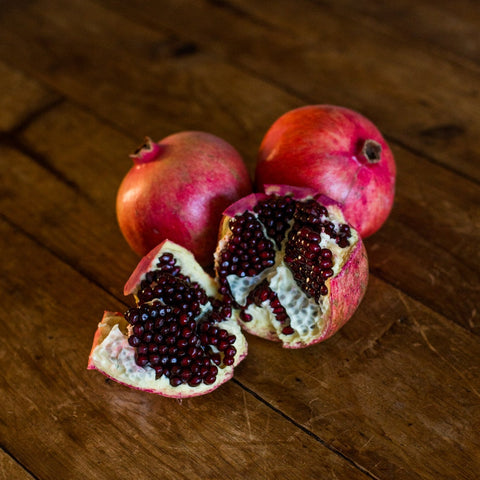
x=291 y=266
x=179 y=340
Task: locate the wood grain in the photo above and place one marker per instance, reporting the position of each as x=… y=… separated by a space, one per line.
x=417 y=226
x=11 y=470
x=417 y=98
x=446 y=27
x=359 y=337
x=397 y=388
x=92 y=428
x=395 y=394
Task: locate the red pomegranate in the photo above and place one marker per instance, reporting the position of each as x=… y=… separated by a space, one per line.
x=177 y=189
x=179 y=340
x=337 y=152
x=290 y=264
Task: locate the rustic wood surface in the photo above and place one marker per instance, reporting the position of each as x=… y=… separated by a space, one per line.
x=396 y=393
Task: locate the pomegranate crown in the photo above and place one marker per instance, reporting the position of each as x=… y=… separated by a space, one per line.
x=147 y=152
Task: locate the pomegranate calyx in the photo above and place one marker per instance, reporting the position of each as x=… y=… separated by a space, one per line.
x=147 y=152
x=371 y=151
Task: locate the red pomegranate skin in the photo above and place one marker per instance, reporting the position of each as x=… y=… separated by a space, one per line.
x=322 y=147
x=177 y=189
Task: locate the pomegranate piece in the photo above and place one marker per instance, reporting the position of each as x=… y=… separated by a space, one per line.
x=179 y=340
x=290 y=265
x=335 y=151
x=177 y=189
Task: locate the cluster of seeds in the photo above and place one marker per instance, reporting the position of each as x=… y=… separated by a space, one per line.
x=314 y=215
x=275 y=214
x=166 y=333
x=262 y=293
x=248 y=253
x=310 y=264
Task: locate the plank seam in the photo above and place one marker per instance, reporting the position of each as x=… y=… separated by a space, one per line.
x=20 y=464
x=305 y=430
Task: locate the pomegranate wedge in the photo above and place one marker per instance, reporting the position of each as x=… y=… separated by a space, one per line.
x=179 y=340
x=290 y=265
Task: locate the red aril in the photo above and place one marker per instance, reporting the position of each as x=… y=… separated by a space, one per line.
x=179 y=340
x=337 y=152
x=177 y=189
x=290 y=264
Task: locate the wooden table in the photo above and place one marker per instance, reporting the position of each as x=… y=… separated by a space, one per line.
x=395 y=394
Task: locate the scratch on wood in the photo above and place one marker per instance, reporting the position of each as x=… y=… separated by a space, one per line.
x=471 y=322
x=247 y=416
x=365 y=444
x=422 y=330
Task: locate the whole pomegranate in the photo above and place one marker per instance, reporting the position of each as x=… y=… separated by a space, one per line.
x=179 y=340
x=178 y=189
x=290 y=264
x=337 y=152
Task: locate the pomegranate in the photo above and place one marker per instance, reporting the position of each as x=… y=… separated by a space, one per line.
x=290 y=265
x=179 y=340
x=177 y=189
x=337 y=152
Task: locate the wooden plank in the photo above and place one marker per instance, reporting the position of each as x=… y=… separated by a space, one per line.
x=62 y=421
x=54 y=213
x=396 y=389
x=427 y=247
x=449 y=27
x=10 y=469
x=452 y=228
x=336 y=380
x=153 y=84
x=418 y=228
x=394 y=395
x=418 y=99
x=22 y=96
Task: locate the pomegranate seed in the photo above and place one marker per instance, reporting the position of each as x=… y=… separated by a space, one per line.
x=195 y=380
x=230 y=351
x=215 y=358
x=154 y=359
x=210 y=379
x=185 y=361
x=246 y=317
x=182 y=343
x=147 y=337
x=134 y=341
x=175 y=381
x=327 y=273
x=222 y=345
x=142 y=349
x=141 y=360
x=138 y=330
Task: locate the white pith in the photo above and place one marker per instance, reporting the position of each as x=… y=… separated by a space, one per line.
x=307 y=317
x=116 y=358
